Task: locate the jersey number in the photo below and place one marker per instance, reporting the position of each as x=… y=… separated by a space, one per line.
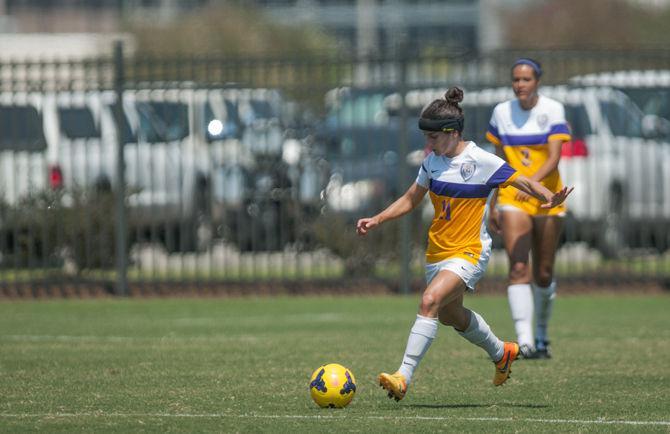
x=446 y=211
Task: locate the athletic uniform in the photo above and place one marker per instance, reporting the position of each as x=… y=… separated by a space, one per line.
x=523 y=136
x=459 y=187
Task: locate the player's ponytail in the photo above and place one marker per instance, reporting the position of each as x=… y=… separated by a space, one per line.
x=453 y=96
x=444 y=114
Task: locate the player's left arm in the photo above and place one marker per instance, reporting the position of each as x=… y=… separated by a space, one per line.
x=553 y=157
x=559 y=132
x=540 y=192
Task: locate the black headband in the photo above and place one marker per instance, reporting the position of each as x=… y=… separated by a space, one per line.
x=442 y=125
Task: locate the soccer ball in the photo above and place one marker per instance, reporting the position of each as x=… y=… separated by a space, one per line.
x=332 y=386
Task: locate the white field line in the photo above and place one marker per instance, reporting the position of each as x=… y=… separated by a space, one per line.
x=117 y=339
x=347 y=417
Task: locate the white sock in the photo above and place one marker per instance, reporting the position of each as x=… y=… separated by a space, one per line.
x=544 y=303
x=421 y=336
x=521 y=305
x=480 y=334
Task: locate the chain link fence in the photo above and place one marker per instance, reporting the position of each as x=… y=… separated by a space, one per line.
x=129 y=175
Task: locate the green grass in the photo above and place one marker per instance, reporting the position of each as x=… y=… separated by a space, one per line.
x=243 y=365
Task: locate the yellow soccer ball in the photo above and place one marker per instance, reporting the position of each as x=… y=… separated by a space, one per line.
x=332 y=386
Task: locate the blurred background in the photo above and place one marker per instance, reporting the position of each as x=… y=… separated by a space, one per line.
x=194 y=146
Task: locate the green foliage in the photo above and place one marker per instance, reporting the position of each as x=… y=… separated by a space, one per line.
x=338 y=234
x=587 y=24
x=228 y=29
x=362 y=254
x=49 y=227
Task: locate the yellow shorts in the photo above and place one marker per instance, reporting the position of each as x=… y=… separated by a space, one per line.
x=507 y=200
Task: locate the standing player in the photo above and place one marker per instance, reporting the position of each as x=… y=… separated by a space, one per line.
x=459 y=176
x=528 y=132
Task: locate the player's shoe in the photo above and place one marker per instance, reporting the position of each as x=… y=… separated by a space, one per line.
x=395 y=384
x=504 y=365
x=542 y=350
x=527 y=352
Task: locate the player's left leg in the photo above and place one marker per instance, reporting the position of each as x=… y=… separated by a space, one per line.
x=546 y=234
x=474 y=328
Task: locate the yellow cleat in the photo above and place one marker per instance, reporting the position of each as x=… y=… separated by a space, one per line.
x=504 y=366
x=395 y=384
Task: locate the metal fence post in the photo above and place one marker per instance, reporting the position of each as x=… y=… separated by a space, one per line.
x=405 y=257
x=121 y=227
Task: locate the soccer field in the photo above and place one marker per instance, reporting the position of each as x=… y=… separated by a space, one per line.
x=243 y=365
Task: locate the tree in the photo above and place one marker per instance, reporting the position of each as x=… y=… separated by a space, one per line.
x=579 y=24
x=226 y=29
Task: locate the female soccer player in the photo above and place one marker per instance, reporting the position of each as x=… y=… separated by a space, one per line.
x=459 y=176
x=528 y=132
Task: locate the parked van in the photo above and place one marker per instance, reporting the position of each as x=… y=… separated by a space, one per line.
x=649 y=89
x=23 y=146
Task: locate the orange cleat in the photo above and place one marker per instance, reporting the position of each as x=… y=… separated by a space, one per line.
x=504 y=365
x=395 y=384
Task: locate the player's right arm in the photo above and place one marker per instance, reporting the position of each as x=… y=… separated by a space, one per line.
x=404 y=204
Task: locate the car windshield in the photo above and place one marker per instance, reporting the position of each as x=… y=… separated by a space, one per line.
x=652 y=100
x=21 y=129
x=77 y=123
x=578 y=120
x=624 y=120
x=163 y=121
x=221 y=124
x=359 y=111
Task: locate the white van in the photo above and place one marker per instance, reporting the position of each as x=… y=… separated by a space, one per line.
x=649 y=89
x=621 y=178
x=23 y=147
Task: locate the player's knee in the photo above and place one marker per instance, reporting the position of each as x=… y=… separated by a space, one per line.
x=518 y=270
x=544 y=278
x=429 y=305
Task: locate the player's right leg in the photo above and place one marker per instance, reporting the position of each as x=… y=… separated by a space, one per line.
x=546 y=234
x=445 y=286
x=517 y=229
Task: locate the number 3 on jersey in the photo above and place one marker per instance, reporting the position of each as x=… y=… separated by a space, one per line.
x=446 y=211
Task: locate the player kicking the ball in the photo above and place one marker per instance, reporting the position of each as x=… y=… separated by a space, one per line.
x=459 y=177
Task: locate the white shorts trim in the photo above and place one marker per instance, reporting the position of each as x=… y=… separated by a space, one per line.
x=467 y=271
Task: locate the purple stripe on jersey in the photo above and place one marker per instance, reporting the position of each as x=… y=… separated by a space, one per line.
x=559 y=129
x=525 y=140
x=454 y=189
x=493 y=130
x=424 y=168
x=501 y=175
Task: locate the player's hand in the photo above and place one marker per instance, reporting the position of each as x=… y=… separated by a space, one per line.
x=365 y=225
x=558 y=198
x=522 y=196
x=494 y=220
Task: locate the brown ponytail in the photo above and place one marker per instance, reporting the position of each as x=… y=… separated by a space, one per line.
x=446 y=108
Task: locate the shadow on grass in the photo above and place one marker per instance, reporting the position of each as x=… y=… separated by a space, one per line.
x=477 y=405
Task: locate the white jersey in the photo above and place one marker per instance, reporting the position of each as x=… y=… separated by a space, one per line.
x=459 y=188
x=523 y=136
